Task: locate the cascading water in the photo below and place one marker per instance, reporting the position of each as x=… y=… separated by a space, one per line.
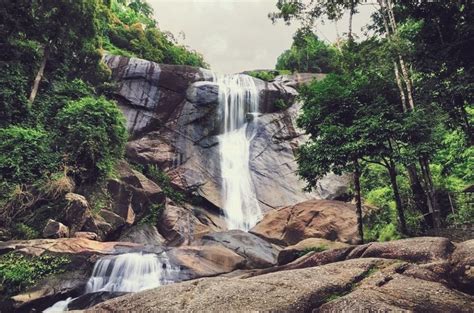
x=238 y=99
x=129 y=272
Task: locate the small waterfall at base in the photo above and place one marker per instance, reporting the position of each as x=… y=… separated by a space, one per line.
x=238 y=99
x=129 y=272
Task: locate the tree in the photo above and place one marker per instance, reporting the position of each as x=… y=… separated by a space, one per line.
x=66 y=31
x=351 y=119
x=308 y=54
x=91 y=135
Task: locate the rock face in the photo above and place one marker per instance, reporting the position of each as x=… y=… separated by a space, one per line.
x=174 y=116
x=332 y=220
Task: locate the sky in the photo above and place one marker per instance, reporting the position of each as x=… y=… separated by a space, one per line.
x=237 y=35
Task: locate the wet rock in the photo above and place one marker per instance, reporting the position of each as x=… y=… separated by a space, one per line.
x=55 y=229
x=143 y=234
x=293 y=252
x=90 y=299
x=332 y=220
x=257 y=251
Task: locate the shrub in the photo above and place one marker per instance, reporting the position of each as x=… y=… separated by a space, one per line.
x=18 y=271
x=25 y=154
x=91 y=134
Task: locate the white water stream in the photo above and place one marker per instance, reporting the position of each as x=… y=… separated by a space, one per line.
x=129 y=272
x=238 y=100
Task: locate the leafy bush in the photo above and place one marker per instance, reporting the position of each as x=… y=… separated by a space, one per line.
x=91 y=134
x=18 y=271
x=25 y=154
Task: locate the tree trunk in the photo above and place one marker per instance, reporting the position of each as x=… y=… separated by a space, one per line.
x=398 y=200
x=358 y=199
x=39 y=76
x=405 y=73
x=430 y=191
x=395 y=65
x=419 y=196
x=351 y=15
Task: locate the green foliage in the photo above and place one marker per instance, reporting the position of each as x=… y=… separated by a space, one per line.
x=25 y=154
x=164 y=181
x=18 y=271
x=23 y=231
x=281 y=104
x=154 y=214
x=308 y=54
x=267 y=75
x=91 y=134
x=13 y=91
x=132 y=32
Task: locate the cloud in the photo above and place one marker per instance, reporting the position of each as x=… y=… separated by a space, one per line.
x=233 y=35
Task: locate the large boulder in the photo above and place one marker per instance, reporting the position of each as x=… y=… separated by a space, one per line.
x=257 y=252
x=132 y=193
x=54 y=229
x=328 y=219
x=183 y=223
x=146 y=234
x=203 y=261
x=462 y=261
x=76 y=212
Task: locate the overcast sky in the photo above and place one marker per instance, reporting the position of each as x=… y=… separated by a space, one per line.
x=237 y=35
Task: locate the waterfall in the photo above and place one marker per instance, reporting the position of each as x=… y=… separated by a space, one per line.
x=238 y=100
x=129 y=272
